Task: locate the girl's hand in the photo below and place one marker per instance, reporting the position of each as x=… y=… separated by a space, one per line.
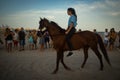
x=66 y=32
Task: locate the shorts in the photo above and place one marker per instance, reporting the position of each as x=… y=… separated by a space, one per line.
x=9 y=41
x=42 y=40
x=15 y=42
x=47 y=39
x=106 y=42
x=22 y=42
x=111 y=41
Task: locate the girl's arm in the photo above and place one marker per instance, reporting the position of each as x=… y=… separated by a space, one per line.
x=70 y=27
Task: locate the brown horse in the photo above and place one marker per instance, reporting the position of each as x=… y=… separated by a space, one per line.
x=84 y=39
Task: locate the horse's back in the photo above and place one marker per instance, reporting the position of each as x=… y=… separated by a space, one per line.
x=84 y=38
x=88 y=34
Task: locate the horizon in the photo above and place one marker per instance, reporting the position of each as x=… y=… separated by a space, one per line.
x=92 y=14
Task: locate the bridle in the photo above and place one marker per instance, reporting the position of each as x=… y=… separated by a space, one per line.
x=54 y=35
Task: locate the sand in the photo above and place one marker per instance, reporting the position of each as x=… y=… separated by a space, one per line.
x=36 y=65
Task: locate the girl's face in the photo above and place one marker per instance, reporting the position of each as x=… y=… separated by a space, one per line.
x=69 y=12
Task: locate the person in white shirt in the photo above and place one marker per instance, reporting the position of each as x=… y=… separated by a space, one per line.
x=106 y=34
x=15 y=39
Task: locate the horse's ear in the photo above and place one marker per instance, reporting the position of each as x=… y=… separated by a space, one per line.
x=40 y=18
x=45 y=19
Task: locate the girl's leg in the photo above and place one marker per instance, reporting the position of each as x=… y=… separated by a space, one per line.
x=10 y=47
x=42 y=47
x=29 y=46
x=6 y=45
x=17 y=45
x=32 y=46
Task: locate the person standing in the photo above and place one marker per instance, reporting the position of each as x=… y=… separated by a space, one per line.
x=112 y=38
x=15 y=39
x=47 y=40
x=35 y=38
x=72 y=23
x=95 y=31
x=30 y=40
x=5 y=35
x=106 y=35
x=21 y=35
x=9 y=40
x=119 y=38
x=1 y=43
x=41 y=34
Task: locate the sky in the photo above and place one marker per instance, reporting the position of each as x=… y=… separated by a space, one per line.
x=91 y=14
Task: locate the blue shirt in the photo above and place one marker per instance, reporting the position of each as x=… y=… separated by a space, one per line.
x=73 y=20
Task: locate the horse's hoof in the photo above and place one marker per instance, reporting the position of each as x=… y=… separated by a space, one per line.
x=69 y=69
x=82 y=66
x=54 y=72
x=101 y=69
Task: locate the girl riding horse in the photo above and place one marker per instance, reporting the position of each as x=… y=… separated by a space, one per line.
x=71 y=28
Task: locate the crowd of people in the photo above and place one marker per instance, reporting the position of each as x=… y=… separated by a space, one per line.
x=18 y=38
x=110 y=38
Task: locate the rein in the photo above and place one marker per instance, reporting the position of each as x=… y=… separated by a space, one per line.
x=54 y=35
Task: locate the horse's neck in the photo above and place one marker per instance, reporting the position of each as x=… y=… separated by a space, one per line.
x=54 y=31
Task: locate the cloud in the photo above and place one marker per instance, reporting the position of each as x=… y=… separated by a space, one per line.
x=107 y=7
x=30 y=18
x=98 y=14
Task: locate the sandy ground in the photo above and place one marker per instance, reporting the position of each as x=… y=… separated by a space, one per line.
x=36 y=65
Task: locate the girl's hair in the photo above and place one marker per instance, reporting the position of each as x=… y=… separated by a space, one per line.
x=72 y=10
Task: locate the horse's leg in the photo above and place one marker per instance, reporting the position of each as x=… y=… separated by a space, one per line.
x=99 y=57
x=85 y=56
x=62 y=61
x=57 y=62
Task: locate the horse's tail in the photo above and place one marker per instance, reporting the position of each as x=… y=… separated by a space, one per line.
x=103 y=49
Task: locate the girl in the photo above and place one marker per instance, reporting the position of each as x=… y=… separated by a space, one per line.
x=15 y=39
x=35 y=37
x=112 y=38
x=30 y=40
x=71 y=28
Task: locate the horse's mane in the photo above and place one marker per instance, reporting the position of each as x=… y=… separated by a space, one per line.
x=56 y=25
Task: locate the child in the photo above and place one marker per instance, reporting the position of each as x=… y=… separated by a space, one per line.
x=112 y=38
x=42 y=39
x=9 y=40
x=15 y=39
x=30 y=40
x=35 y=37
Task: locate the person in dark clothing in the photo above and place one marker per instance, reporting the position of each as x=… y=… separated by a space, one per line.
x=21 y=35
x=41 y=34
x=9 y=40
x=71 y=28
x=119 y=39
x=47 y=40
x=1 y=42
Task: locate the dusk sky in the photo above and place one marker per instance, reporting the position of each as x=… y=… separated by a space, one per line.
x=92 y=14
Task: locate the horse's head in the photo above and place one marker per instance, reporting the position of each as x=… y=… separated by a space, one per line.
x=43 y=23
x=51 y=26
